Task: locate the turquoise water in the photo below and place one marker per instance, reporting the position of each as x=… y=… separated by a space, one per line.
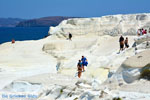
x=22 y=33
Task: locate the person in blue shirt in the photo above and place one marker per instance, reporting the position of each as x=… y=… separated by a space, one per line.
x=84 y=62
x=79 y=66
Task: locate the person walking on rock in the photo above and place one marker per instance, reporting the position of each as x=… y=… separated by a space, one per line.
x=84 y=62
x=70 y=36
x=79 y=66
x=126 y=43
x=121 y=41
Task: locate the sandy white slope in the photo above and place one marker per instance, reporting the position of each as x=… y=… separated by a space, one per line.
x=22 y=59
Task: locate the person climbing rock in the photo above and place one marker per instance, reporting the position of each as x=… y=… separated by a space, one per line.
x=84 y=62
x=126 y=43
x=70 y=36
x=121 y=41
x=79 y=66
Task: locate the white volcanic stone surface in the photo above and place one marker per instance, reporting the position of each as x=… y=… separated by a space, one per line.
x=143 y=38
x=48 y=67
x=23 y=59
x=131 y=74
x=110 y=25
x=131 y=68
x=138 y=61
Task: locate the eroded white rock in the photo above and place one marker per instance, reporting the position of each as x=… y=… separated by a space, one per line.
x=110 y=25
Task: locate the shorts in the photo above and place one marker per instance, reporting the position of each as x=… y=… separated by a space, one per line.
x=121 y=46
x=80 y=69
x=126 y=45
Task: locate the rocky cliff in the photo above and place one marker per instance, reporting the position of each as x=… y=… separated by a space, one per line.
x=111 y=25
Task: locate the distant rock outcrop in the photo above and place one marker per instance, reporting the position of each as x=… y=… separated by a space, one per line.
x=105 y=25
x=42 y=22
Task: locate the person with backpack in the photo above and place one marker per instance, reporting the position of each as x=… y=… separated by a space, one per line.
x=84 y=62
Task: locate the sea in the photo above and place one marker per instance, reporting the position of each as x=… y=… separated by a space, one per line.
x=22 y=33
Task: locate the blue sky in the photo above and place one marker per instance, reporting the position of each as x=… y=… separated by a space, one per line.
x=77 y=8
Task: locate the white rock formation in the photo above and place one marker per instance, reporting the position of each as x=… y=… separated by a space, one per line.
x=110 y=25
x=138 y=61
x=131 y=74
x=24 y=59
x=143 y=38
x=132 y=67
x=58 y=57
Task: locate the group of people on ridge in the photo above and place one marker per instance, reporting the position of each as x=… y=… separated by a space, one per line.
x=83 y=61
x=123 y=42
x=142 y=31
x=80 y=66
